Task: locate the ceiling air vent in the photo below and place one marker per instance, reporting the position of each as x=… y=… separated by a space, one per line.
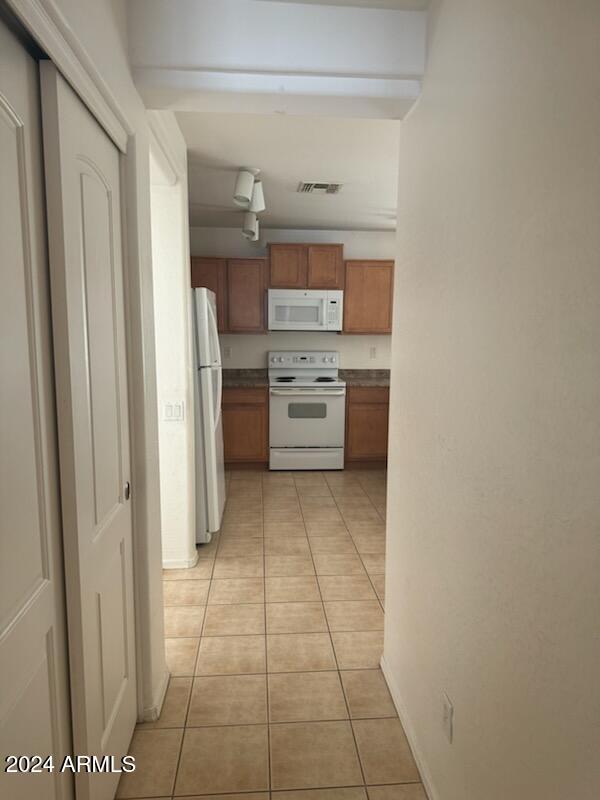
x=310 y=187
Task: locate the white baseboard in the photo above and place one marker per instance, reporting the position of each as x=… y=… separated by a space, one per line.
x=175 y=563
x=152 y=713
x=430 y=789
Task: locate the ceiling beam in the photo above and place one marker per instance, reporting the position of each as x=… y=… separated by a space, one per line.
x=270 y=57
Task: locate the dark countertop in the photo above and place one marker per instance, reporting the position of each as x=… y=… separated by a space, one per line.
x=366 y=377
x=257 y=378
x=245 y=378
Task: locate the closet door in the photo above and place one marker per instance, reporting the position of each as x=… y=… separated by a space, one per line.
x=34 y=702
x=84 y=234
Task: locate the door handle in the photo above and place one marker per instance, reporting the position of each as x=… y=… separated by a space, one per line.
x=127 y=490
x=307 y=393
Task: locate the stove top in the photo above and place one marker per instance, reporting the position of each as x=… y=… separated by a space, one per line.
x=303 y=379
x=304 y=368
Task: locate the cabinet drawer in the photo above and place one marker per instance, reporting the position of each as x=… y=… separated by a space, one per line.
x=368 y=394
x=243 y=396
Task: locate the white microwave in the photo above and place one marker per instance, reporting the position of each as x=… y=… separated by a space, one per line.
x=305 y=310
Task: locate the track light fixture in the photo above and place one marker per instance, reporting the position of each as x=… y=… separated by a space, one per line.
x=257 y=202
x=248 y=193
x=244 y=186
x=250 y=226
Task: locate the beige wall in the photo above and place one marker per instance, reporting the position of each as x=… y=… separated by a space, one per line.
x=229 y=242
x=175 y=369
x=493 y=582
x=356 y=352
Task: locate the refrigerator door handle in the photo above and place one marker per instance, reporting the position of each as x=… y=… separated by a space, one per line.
x=213 y=335
x=217 y=414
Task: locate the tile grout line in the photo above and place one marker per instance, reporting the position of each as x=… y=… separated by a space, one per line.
x=189 y=702
x=278 y=722
x=339 y=677
x=376 y=595
x=212 y=579
x=262 y=507
x=354 y=543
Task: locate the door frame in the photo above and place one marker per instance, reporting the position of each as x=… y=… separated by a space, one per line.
x=47 y=25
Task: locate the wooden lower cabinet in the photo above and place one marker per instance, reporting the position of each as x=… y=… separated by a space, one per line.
x=246 y=425
x=367 y=410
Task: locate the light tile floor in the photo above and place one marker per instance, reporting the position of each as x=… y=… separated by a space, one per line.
x=273 y=643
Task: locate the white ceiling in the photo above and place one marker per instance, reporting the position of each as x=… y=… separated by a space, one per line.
x=258 y=56
x=359 y=153
x=400 y=5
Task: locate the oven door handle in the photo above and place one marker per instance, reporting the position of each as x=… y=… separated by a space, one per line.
x=308 y=393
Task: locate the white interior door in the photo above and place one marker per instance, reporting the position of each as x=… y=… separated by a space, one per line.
x=86 y=265
x=34 y=700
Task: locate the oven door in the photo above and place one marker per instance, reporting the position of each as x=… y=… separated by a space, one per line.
x=307 y=417
x=297 y=310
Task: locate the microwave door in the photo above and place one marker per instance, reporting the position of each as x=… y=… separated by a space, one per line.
x=298 y=313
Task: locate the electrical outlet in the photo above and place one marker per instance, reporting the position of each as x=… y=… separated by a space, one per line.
x=227 y=352
x=372 y=353
x=448 y=718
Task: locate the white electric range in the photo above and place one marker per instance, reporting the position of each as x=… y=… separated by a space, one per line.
x=307 y=410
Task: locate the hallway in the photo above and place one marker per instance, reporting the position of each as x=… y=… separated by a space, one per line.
x=273 y=643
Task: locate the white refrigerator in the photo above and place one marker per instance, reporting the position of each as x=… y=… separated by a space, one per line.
x=210 y=471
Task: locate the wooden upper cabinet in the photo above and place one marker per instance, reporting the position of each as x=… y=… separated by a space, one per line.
x=211 y=273
x=288 y=265
x=246 y=301
x=306 y=266
x=368 y=298
x=325 y=266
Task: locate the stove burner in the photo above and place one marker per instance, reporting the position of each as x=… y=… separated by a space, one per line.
x=324 y=379
x=285 y=379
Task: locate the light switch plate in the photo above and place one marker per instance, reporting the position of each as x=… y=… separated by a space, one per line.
x=173 y=411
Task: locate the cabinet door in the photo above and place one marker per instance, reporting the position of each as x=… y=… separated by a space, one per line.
x=246 y=285
x=368 y=297
x=367 y=424
x=211 y=273
x=245 y=420
x=289 y=266
x=325 y=266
